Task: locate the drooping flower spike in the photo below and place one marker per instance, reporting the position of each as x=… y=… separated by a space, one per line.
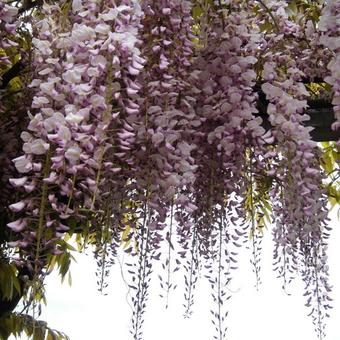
x=145 y=131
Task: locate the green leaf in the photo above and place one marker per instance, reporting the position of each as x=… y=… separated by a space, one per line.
x=69 y=279
x=197 y=11
x=292 y=9
x=39 y=332
x=266 y=27
x=52 y=336
x=64 y=264
x=327 y=162
x=9 y=283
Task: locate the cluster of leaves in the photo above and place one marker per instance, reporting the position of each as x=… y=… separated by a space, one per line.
x=330 y=159
x=24 y=325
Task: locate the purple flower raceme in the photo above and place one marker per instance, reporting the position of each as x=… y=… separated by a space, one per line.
x=162 y=160
x=167 y=108
x=300 y=201
x=79 y=114
x=144 y=131
x=13 y=102
x=226 y=124
x=225 y=128
x=8 y=26
x=329 y=25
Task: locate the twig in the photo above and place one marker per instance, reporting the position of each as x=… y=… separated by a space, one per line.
x=270 y=13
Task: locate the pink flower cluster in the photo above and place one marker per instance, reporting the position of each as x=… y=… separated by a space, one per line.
x=85 y=65
x=8 y=26
x=329 y=25
x=12 y=116
x=300 y=202
x=138 y=117
x=165 y=118
x=225 y=122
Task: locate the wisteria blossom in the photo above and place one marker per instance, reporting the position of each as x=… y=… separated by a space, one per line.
x=329 y=25
x=174 y=129
x=78 y=98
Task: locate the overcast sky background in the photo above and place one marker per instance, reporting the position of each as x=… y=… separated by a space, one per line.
x=82 y=313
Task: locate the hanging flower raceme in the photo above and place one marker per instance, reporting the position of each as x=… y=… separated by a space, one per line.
x=163 y=166
x=8 y=26
x=82 y=58
x=166 y=112
x=227 y=103
x=14 y=100
x=299 y=201
x=144 y=131
x=329 y=25
x=226 y=129
x=12 y=121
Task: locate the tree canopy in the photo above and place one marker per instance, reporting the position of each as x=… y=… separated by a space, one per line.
x=174 y=130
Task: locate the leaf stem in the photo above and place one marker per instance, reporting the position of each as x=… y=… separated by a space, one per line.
x=270 y=13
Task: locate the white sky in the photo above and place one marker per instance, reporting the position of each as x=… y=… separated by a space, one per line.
x=83 y=314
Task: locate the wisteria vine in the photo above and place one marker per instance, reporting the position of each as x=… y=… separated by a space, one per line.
x=144 y=132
